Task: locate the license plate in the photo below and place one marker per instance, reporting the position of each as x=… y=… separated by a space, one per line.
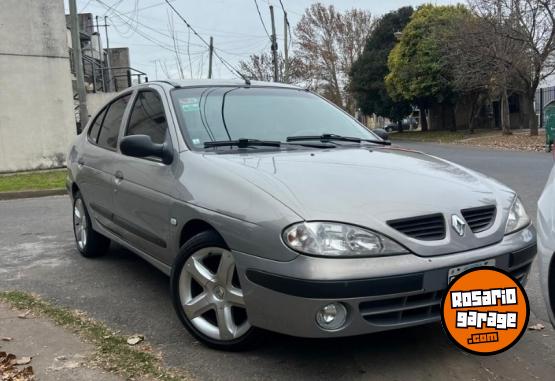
x=453 y=272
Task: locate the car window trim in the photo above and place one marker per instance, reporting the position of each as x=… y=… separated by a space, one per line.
x=107 y=108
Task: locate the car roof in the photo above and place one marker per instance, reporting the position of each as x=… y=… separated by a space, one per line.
x=220 y=82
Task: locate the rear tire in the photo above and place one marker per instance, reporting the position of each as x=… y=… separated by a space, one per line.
x=89 y=243
x=207 y=296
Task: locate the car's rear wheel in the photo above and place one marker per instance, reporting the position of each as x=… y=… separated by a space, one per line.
x=207 y=294
x=89 y=243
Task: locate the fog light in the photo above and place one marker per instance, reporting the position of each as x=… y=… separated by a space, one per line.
x=332 y=316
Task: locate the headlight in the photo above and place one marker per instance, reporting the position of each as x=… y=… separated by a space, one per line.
x=518 y=218
x=338 y=240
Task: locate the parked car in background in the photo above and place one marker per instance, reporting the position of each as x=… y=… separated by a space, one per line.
x=410 y=123
x=272 y=209
x=546 y=243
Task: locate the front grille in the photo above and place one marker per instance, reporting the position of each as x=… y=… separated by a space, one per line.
x=419 y=308
x=425 y=228
x=479 y=219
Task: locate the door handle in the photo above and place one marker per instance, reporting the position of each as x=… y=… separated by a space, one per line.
x=80 y=162
x=118 y=177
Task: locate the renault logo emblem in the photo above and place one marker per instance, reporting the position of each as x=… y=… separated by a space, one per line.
x=458 y=224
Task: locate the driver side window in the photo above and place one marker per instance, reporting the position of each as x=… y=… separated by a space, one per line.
x=148 y=117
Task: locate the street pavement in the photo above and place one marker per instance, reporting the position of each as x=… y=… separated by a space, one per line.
x=37 y=254
x=56 y=353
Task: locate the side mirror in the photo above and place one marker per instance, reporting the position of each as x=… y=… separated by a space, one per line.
x=381 y=133
x=142 y=146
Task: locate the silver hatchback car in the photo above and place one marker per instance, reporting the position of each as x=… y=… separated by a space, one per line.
x=272 y=209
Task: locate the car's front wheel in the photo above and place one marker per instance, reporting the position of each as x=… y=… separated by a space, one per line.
x=89 y=243
x=207 y=294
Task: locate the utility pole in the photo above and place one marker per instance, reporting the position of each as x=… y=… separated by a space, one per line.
x=108 y=54
x=274 y=45
x=211 y=52
x=78 y=64
x=285 y=49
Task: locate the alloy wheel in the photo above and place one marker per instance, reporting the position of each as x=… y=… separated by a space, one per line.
x=211 y=295
x=80 y=224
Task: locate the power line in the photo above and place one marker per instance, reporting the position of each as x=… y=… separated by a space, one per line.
x=114 y=6
x=261 y=19
x=223 y=33
x=136 y=30
x=121 y=16
x=162 y=45
x=146 y=7
x=85 y=6
x=229 y=67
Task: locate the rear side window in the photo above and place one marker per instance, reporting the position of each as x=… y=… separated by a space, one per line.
x=95 y=127
x=108 y=137
x=148 y=117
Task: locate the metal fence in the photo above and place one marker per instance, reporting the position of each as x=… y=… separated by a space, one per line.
x=544 y=96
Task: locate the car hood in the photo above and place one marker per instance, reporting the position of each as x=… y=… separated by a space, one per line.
x=370 y=186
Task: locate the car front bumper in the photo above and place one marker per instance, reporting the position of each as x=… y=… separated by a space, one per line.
x=379 y=293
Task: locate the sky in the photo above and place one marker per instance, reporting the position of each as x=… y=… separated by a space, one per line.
x=143 y=26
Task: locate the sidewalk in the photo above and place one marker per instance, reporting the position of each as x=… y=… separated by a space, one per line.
x=56 y=353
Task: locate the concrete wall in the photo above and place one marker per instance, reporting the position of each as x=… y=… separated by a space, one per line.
x=96 y=100
x=119 y=57
x=37 y=122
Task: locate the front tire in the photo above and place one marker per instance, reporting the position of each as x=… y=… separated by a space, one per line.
x=89 y=243
x=207 y=295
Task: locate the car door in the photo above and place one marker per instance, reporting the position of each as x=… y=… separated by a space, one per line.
x=145 y=186
x=96 y=163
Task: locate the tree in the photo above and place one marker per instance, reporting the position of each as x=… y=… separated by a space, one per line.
x=367 y=76
x=485 y=64
x=328 y=43
x=417 y=71
x=531 y=23
x=261 y=68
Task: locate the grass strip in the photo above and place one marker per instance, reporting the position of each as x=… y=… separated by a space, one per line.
x=51 y=179
x=112 y=351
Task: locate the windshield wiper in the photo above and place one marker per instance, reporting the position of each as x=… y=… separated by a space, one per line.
x=324 y=138
x=243 y=143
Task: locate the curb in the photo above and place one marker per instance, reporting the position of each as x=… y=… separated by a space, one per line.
x=32 y=193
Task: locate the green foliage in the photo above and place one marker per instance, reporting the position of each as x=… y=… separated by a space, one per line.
x=369 y=71
x=418 y=73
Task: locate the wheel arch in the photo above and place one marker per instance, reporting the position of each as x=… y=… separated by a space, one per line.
x=194 y=227
x=74 y=189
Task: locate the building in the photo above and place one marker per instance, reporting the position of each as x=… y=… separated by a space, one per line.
x=38 y=98
x=106 y=71
x=37 y=122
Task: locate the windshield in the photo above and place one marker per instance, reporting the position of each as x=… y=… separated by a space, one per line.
x=230 y=113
